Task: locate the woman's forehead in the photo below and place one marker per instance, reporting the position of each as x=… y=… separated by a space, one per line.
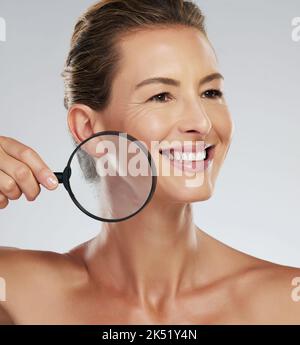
x=163 y=42
x=149 y=52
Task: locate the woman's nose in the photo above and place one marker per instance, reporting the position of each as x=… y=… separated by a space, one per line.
x=195 y=119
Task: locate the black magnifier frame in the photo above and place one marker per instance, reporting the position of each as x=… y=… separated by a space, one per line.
x=64 y=177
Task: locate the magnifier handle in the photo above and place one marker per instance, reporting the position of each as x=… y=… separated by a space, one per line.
x=59 y=176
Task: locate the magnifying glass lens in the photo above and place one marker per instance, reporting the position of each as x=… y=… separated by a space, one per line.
x=112 y=176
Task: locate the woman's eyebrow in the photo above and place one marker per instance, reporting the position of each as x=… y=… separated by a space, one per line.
x=173 y=82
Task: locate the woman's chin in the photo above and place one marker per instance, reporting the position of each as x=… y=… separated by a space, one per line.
x=185 y=194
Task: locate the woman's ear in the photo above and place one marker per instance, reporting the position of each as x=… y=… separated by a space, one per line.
x=83 y=122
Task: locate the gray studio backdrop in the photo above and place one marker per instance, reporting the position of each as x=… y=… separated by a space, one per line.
x=255 y=207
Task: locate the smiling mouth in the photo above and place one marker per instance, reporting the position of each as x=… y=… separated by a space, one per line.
x=191 y=160
x=188 y=157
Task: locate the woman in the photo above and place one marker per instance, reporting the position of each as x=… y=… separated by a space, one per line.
x=157 y=267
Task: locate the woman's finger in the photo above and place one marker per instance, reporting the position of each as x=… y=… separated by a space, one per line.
x=3 y=201
x=20 y=174
x=31 y=158
x=9 y=187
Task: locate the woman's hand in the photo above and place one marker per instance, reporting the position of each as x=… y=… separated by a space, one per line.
x=21 y=171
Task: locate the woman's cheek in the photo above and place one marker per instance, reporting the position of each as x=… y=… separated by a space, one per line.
x=224 y=127
x=148 y=128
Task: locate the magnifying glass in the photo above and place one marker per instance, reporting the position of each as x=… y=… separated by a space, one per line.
x=110 y=176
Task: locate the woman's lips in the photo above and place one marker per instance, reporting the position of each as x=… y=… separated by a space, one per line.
x=193 y=166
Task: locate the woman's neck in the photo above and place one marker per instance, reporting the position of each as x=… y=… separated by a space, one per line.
x=158 y=255
x=151 y=255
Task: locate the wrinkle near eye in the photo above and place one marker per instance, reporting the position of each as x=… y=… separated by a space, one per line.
x=134 y=111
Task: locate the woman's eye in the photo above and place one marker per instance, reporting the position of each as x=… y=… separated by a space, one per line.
x=159 y=98
x=212 y=94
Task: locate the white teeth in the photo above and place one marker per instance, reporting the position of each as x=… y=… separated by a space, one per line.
x=201 y=155
x=186 y=156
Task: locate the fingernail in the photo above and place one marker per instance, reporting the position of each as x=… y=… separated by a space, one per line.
x=52 y=181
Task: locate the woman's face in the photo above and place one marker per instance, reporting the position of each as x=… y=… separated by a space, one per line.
x=165 y=115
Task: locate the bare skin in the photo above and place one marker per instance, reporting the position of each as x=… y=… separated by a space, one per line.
x=157 y=267
x=51 y=288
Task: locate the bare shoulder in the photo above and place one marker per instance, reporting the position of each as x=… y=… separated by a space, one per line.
x=29 y=275
x=270 y=293
x=16 y=263
x=265 y=292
